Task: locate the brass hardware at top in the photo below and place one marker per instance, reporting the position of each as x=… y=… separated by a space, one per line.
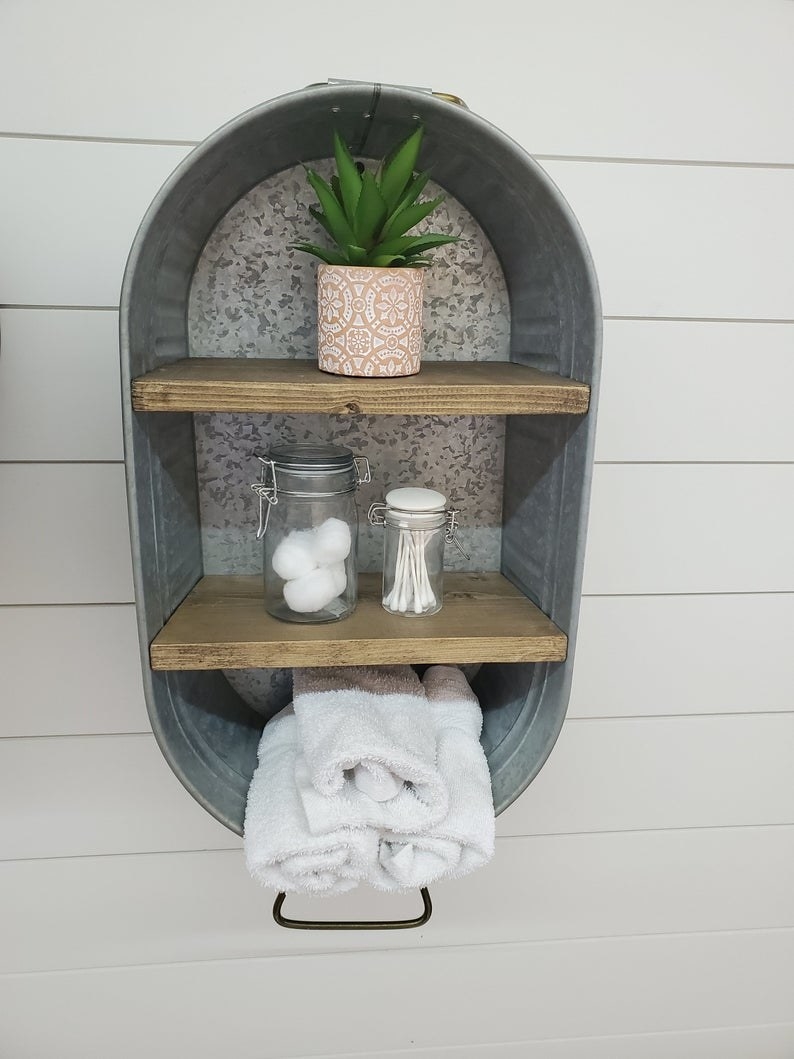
x=448 y=96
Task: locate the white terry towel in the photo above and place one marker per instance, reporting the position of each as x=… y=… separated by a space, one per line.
x=464 y=840
x=280 y=851
x=369 y=743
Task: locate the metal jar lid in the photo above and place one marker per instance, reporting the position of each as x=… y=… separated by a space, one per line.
x=307 y=472
x=312 y=458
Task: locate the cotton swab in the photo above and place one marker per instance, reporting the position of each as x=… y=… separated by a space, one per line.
x=411 y=590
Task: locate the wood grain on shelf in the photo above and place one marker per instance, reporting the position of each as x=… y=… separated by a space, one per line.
x=224 y=384
x=223 y=625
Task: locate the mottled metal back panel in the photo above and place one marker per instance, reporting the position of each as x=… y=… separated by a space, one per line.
x=176 y=298
x=251 y=296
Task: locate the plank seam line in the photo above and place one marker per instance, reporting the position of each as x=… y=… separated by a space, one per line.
x=142 y=141
x=686 y=463
x=654 y=595
x=420 y=944
x=702 y=163
x=499 y=838
x=597 y=463
x=646 y=319
x=326 y=954
x=146 y=141
x=569 y=719
x=706 y=319
x=111 y=603
x=495 y=1047
x=73 y=308
x=585 y=595
x=61 y=463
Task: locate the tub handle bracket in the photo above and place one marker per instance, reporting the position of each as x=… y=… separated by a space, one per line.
x=367 y=924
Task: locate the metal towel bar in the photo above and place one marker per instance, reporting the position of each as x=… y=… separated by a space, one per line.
x=370 y=924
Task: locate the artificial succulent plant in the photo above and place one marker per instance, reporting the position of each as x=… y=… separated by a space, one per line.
x=367 y=215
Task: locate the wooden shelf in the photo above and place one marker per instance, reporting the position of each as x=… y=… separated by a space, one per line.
x=223 y=625
x=223 y=384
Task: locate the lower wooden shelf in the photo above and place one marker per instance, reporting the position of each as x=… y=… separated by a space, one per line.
x=222 y=624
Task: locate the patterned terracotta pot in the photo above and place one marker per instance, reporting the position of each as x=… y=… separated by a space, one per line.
x=369 y=320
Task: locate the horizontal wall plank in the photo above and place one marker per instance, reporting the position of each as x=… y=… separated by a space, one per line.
x=659 y=235
x=718 y=671
x=658 y=528
x=686 y=240
x=60 y=396
x=64 y=536
x=620 y=986
x=663 y=772
x=696 y=528
x=91 y=794
x=59 y=389
x=688 y=391
x=77 y=207
x=651 y=655
x=115 y=794
x=169 y=908
x=708 y=80
x=737 y=1042
x=91 y=681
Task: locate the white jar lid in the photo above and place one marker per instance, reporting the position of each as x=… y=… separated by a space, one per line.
x=413 y=499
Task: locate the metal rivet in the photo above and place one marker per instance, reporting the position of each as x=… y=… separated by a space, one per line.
x=335 y=110
x=367 y=116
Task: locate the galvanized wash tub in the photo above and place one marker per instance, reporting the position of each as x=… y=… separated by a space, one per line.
x=206 y=731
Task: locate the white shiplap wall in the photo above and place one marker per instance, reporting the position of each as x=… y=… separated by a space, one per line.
x=641 y=904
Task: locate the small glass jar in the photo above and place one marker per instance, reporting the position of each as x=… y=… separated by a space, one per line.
x=417 y=523
x=308 y=518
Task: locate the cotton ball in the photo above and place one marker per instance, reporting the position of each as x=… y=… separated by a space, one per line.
x=295 y=555
x=332 y=541
x=337 y=572
x=312 y=592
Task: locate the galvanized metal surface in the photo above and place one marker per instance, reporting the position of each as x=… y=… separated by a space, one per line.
x=205 y=730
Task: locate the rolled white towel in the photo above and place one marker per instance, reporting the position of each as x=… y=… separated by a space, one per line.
x=369 y=743
x=464 y=840
x=280 y=850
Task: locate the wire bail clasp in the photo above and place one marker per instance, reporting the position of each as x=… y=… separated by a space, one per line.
x=376 y=515
x=363 y=477
x=267 y=493
x=451 y=535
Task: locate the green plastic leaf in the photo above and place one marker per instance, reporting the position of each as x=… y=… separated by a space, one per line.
x=399 y=223
x=330 y=257
x=385 y=260
x=421 y=243
x=349 y=178
x=356 y=255
x=414 y=244
x=322 y=219
x=413 y=191
x=340 y=229
x=336 y=187
x=370 y=212
x=400 y=169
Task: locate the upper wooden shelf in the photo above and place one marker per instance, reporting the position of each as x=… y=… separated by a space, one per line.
x=223 y=625
x=236 y=384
